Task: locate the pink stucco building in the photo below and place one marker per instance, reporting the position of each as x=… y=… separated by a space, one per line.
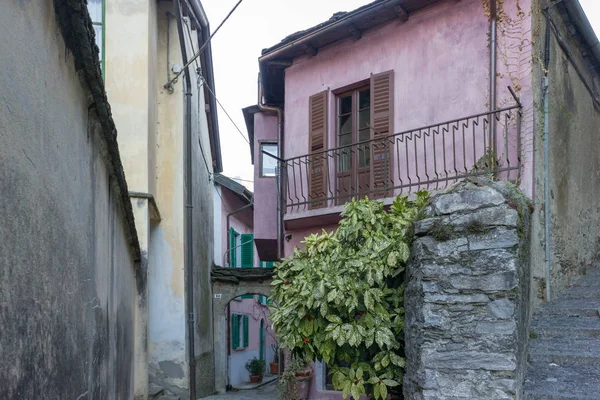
x=403 y=95
x=247 y=329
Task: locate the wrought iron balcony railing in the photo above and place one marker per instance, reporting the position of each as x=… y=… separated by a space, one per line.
x=431 y=157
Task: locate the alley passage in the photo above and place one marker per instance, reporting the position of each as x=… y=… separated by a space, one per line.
x=267 y=392
x=564 y=350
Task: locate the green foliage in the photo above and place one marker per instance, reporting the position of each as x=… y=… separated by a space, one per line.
x=256 y=366
x=342 y=298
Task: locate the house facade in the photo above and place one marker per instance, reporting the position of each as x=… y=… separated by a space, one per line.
x=169 y=141
x=400 y=96
x=245 y=328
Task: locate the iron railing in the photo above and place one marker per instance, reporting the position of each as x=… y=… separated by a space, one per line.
x=431 y=158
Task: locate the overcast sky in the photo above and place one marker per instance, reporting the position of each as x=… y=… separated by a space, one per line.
x=257 y=24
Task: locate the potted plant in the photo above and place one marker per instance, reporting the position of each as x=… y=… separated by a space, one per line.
x=256 y=368
x=294 y=383
x=274 y=366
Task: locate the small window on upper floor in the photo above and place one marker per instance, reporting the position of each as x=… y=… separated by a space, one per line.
x=268 y=164
x=96 y=10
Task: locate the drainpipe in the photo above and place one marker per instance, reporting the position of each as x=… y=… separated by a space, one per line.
x=189 y=265
x=545 y=89
x=493 y=45
x=280 y=154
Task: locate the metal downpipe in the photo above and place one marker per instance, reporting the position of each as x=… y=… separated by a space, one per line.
x=493 y=69
x=545 y=88
x=189 y=249
x=280 y=154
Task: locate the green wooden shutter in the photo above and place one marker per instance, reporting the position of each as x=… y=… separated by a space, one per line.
x=269 y=264
x=245 y=331
x=235 y=331
x=247 y=250
x=232 y=248
x=247 y=296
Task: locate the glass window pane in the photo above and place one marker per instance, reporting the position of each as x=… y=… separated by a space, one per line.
x=364 y=99
x=95 y=10
x=363 y=135
x=345 y=160
x=345 y=124
x=364 y=119
x=98 y=30
x=345 y=139
x=345 y=105
x=269 y=164
x=364 y=155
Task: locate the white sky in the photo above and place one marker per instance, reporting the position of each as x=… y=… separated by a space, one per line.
x=257 y=24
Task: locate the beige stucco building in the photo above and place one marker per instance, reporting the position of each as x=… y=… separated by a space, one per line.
x=141 y=52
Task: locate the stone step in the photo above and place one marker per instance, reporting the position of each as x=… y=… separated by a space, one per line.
x=564 y=379
x=574 y=345
x=585 y=307
x=559 y=323
x=544 y=395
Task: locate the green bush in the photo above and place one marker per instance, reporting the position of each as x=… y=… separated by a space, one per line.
x=341 y=298
x=256 y=366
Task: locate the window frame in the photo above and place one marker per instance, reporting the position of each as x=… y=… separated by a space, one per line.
x=102 y=24
x=261 y=157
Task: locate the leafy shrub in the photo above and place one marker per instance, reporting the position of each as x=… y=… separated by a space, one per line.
x=341 y=298
x=256 y=366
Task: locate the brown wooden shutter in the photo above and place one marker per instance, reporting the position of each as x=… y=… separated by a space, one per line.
x=382 y=121
x=317 y=120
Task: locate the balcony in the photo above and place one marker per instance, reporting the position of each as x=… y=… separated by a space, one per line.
x=431 y=158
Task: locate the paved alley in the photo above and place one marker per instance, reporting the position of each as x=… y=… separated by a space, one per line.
x=267 y=392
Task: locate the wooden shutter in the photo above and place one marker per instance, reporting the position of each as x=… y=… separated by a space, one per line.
x=382 y=121
x=235 y=331
x=232 y=248
x=247 y=250
x=317 y=125
x=245 y=331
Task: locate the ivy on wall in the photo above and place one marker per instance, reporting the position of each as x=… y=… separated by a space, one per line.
x=340 y=300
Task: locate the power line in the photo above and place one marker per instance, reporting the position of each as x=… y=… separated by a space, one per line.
x=170 y=83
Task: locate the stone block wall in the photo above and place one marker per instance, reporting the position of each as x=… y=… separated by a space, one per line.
x=467 y=300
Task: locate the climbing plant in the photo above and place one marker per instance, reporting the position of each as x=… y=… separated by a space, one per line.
x=340 y=300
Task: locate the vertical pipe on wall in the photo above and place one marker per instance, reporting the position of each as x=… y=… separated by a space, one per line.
x=189 y=248
x=493 y=46
x=280 y=154
x=545 y=88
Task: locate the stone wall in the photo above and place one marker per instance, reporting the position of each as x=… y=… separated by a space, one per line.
x=467 y=300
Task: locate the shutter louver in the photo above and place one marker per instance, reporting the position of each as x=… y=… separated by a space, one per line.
x=317 y=142
x=247 y=250
x=232 y=249
x=382 y=119
x=245 y=331
x=235 y=331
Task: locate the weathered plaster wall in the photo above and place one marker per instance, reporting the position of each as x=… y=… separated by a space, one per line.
x=574 y=164
x=467 y=298
x=67 y=270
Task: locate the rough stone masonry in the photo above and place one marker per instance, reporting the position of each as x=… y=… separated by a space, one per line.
x=467 y=298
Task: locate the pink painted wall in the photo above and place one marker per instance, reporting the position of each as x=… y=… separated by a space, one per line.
x=440 y=59
x=255 y=312
x=265 y=189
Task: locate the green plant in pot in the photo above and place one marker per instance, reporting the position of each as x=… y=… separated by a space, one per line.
x=256 y=368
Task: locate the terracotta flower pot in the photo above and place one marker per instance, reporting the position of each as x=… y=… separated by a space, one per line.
x=301 y=388
x=274 y=368
x=256 y=378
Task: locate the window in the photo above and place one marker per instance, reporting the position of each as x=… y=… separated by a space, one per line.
x=234 y=247
x=239 y=331
x=247 y=246
x=353 y=126
x=268 y=165
x=96 y=10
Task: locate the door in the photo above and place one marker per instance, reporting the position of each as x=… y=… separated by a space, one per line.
x=353 y=126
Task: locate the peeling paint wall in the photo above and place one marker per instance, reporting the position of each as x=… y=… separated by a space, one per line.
x=67 y=271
